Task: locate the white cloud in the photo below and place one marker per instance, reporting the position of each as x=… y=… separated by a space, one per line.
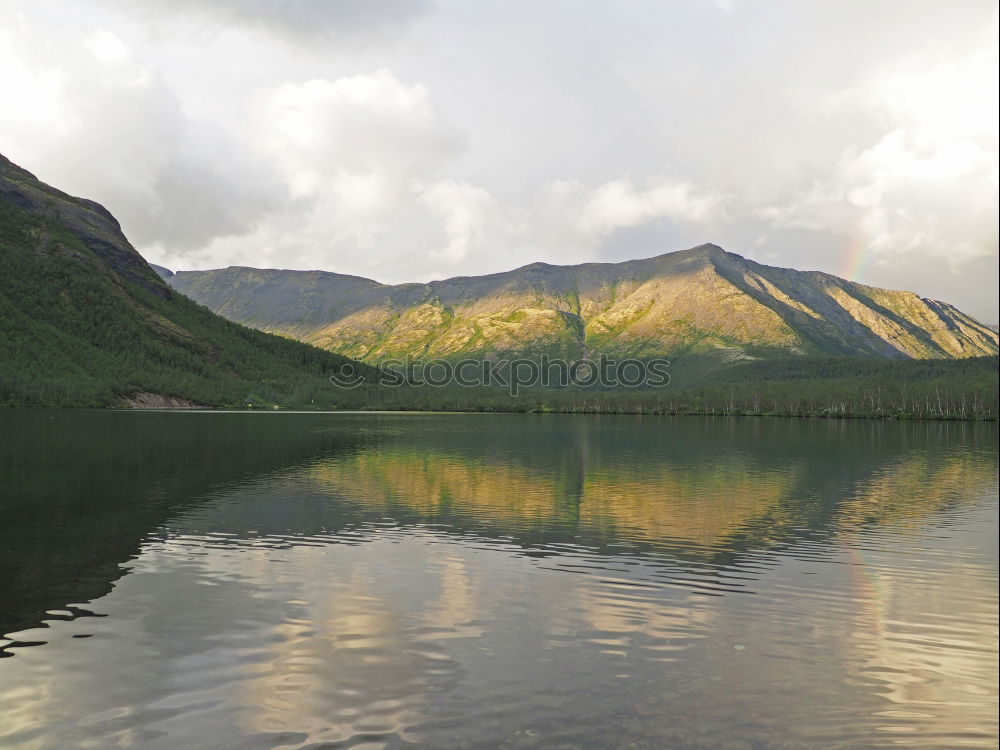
x=572 y=212
x=468 y=214
x=928 y=184
x=618 y=204
x=357 y=125
x=95 y=121
x=359 y=154
x=107 y=46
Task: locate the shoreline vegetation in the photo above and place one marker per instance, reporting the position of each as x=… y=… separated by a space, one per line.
x=775 y=401
x=858 y=388
x=835 y=387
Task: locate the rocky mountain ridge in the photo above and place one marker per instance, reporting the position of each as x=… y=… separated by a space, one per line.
x=703 y=300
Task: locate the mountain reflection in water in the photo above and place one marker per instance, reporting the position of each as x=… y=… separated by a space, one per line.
x=479 y=581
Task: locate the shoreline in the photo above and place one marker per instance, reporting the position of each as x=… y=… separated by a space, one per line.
x=533 y=411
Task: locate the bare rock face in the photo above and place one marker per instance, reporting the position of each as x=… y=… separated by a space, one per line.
x=702 y=300
x=145 y=400
x=89 y=221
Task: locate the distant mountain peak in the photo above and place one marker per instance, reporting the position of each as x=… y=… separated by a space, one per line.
x=707 y=247
x=536 y=266
x=700 y=300
x=165 y=273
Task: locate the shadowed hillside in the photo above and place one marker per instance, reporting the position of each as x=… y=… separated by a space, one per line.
x=84 y=320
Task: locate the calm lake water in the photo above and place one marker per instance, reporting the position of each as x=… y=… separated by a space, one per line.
x=213 y=580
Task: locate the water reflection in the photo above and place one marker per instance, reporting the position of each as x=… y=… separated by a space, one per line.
x=450 y=581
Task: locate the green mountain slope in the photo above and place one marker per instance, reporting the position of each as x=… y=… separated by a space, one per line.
x=84 y=321
x=703 y=301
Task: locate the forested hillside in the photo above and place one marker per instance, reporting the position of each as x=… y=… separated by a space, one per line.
x=84 y=321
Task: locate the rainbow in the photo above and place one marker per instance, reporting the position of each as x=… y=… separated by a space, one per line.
x=855 y=258
x=869 y=590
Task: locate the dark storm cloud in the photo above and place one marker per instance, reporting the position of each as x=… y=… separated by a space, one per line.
x=295 y=19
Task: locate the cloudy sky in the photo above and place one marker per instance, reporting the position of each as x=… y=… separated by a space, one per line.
x=406 y=140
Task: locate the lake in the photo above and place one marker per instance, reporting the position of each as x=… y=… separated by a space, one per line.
x=256 y=580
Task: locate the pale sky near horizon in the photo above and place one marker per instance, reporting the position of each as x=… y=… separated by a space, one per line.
x=407 y=140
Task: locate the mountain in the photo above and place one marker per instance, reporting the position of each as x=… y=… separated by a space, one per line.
x=85 y=321
x=701 y=301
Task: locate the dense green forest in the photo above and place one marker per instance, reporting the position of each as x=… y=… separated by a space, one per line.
x=821 y=387
x=74 y=333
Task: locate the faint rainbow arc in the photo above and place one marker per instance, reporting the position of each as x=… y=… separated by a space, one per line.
x=855 y=257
